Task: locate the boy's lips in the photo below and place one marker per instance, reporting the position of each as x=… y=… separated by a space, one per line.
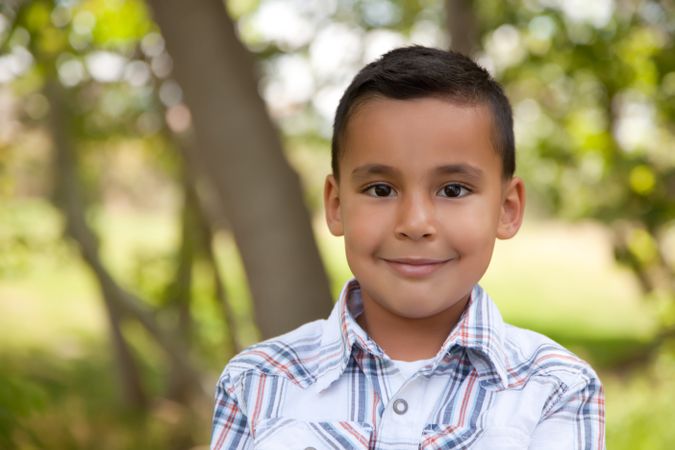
x=416 y=267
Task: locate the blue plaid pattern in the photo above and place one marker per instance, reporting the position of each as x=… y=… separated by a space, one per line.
x=327 y=385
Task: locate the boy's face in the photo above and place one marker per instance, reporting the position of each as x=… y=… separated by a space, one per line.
x=420 y=201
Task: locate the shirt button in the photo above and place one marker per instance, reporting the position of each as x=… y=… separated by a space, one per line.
x=400 y=406
x=310 y=448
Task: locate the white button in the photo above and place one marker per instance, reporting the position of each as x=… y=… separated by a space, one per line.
x=400 y=406
x=310 y=448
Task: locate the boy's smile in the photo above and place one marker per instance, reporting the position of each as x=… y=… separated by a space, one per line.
x=420 y=202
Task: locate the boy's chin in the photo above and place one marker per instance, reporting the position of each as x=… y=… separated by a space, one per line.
x=414 y=305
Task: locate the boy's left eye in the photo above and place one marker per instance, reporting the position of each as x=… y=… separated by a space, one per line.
x=454 y=190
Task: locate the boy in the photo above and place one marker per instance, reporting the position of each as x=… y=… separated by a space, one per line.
x=415 y=354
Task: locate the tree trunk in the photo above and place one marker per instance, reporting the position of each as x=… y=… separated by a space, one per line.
x=242 y=153
x=462 y=26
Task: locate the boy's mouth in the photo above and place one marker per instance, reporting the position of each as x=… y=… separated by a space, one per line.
x=415 y=267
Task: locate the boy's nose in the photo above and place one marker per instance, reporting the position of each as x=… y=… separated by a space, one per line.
x=416 y=219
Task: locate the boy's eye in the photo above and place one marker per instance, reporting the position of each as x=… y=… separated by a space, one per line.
x=379 y=190
x=454 y=190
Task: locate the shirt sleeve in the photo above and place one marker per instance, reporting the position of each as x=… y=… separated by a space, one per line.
x=576 y=421
x=230 y=425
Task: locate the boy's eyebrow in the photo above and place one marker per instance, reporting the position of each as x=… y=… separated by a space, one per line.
x=373 y=169
x=448 y=169
x=464 y=169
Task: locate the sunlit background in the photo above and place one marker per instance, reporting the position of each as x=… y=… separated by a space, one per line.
x=114 y=328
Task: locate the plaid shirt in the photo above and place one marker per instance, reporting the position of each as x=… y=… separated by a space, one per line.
x=327 y=385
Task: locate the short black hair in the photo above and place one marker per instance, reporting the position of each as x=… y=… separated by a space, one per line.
x=421 y=72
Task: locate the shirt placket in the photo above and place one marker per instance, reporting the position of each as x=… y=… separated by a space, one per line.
x=400 y=415
x=404 y=416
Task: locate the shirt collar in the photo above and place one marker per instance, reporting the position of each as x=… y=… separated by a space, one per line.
x=342 y=331
x=480 y=331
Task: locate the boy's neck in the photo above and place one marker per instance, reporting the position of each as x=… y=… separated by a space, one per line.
x=407 y=339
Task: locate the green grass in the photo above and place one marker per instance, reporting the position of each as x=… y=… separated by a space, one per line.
x=562 y=281
x=564 y=277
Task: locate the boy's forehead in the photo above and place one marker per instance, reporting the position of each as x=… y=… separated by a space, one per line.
x=415 y=112
x=406 y=125
x=389 y=103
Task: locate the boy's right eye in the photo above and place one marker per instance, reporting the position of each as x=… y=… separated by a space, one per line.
x=379 y=190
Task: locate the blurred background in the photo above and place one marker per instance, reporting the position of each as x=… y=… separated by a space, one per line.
x=161 y=168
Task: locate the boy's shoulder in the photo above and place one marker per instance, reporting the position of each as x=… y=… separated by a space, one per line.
x=299 y=355
x=294 y=355
x=316 y=348
x=533 y=356
x=510 y=357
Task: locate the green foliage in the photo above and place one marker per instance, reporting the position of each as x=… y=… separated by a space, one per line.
x=95 y=49
x=592 y=94
x=19 y=399
x=26 y=230
x=592 y=98
x=238 y=8
x=643 y=415
x=119 y=23
x=71 y=401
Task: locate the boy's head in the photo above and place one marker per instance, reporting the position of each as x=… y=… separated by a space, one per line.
x=420 y=72
x=423 y=148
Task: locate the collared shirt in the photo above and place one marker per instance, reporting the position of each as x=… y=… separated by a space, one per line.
x=327 y=385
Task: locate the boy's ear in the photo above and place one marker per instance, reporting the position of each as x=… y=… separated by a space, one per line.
x=331 y=202
x=513 y=208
